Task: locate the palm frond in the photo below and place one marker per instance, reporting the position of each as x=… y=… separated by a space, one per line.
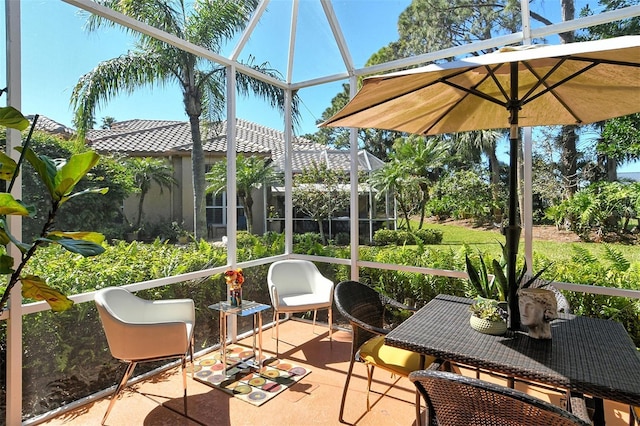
x=582 y=256
x=113 y=77
x=617 y=259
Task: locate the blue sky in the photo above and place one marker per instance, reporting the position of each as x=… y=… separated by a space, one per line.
x=57 y=51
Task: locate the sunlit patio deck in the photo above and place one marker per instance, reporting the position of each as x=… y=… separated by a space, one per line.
x=314 y=400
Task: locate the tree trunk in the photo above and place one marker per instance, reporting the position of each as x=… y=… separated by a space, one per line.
x=199 y=184
x=494 y=172
x=193 y=106
x=323 y=237
x=612 y=169
x=248 y=205
x=140 y=202
x=568 y=159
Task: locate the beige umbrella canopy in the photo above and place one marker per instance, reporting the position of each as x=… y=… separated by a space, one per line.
x=575 y=83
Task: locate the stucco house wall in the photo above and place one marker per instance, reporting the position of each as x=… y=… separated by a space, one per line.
x=171 y=140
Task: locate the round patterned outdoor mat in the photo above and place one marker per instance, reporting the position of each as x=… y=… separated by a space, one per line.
x=203 y=374
x=257 y=396
x=216 y=378
x=242 y=389
x=257 y=381
x=270 y=373
x=297 y=371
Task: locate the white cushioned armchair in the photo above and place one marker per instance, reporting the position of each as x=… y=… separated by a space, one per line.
x=139 y=330
x=298 y=286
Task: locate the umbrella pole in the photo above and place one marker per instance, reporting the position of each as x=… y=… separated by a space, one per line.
x=513 y=237
x=513 y=230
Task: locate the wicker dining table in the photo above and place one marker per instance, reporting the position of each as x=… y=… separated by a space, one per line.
x=588 y=356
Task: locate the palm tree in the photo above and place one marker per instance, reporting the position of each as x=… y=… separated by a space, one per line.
x=145 y=172
x=206 y=23
x=424 y=159
x=251 y=173
x=394 y=179
x=470 y=146
x=107 y=122
x=414 y=165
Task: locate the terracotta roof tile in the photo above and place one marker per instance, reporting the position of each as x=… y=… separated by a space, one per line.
x=333 y=159
x=153 y=137
x=45 y=124
x=164 y=137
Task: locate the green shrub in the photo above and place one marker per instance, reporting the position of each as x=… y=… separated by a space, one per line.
x=65 y=353
x=383 y=237
x=429 y=236
x=343 y=239
x=310 y=243
x=601 y=208
x=101 y=213
x=307 y=238
x=464 y=194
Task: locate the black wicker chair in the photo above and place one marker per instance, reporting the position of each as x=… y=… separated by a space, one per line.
x=365 y=309
x=455 y=400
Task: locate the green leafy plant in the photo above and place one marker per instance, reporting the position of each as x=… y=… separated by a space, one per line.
x=497 y=288
x=401 y=237
x=484 y=284
x=59 y=178
x=487 y=309
x=522 y=279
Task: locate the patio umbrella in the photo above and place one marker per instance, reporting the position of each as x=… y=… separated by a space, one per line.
x=576 y=83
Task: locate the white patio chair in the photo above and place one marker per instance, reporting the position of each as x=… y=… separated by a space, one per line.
x=297 y=286
x=141 y=330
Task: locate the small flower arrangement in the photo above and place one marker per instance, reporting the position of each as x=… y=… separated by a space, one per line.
x=487 y=309
x=234 y=279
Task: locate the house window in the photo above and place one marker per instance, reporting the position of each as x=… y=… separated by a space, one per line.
x=217 y=210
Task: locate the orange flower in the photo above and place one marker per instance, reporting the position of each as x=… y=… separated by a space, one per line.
x=234 y=277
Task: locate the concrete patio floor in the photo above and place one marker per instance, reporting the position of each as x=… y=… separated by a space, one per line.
x=315 y=400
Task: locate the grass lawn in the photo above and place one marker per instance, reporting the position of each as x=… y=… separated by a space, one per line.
x=455 y=234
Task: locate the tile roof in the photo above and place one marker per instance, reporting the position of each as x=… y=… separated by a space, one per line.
x=167 y=137
x=333 y=159
x=157 y=137
x=45 y=124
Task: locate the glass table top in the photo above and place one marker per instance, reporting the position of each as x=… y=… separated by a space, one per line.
x=247 y=308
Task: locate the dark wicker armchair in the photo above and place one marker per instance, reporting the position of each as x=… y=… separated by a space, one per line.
x=456 y=400
x=365 y=308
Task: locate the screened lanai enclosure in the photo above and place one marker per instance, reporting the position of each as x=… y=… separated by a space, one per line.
x=277 y=64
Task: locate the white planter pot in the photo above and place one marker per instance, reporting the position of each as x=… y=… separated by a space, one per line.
x=496 y=328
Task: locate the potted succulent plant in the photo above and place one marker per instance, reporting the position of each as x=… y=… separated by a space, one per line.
x=487 y=317
x=497 y=286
